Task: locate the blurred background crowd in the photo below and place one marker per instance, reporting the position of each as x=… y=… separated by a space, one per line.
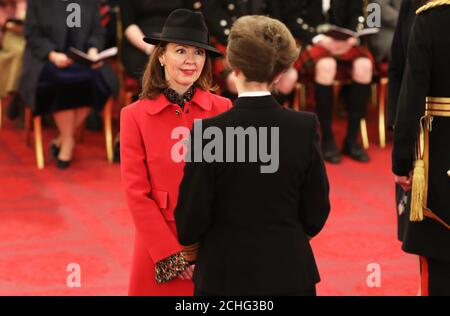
x=39 y=83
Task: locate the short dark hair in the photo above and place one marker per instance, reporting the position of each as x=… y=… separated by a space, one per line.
x=154 y=81
x=261 y=47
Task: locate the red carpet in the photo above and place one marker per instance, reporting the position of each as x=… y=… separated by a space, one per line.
x=51 y=218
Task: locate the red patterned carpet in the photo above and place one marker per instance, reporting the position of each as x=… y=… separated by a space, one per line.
x=51 y=218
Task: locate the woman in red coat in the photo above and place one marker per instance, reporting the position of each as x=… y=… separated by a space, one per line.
x=174 y=93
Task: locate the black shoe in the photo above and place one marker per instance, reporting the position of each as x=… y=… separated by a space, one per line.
x=355 y=151
x=54 y=150
x=330 y=152
x=63 y=164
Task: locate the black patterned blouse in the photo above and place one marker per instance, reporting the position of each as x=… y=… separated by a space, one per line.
x=175 y=98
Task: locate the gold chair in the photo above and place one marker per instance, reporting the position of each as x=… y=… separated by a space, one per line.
x=1 y=113
x=381 y=111
x=35 y=123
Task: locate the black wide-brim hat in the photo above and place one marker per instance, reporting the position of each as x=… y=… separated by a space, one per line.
x=186 y=27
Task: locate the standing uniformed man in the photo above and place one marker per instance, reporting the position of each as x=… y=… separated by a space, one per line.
x=421 y=153
x=321 y=55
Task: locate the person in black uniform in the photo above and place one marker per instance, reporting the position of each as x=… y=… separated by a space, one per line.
x=141 y=17
x=420 y=157
x=220 y=16
x=322 y=56
x=399 y=49
x=251 y=220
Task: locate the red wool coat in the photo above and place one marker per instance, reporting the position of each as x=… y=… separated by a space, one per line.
x=151 y=178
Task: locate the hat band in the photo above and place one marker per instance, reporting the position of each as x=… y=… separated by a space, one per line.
x=185 y=34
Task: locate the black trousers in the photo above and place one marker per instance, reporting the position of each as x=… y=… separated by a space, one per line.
x=435 y=277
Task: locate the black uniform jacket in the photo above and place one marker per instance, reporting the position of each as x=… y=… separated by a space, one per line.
x=304 y=16
x=221 y=14
x=427 y=74
x=253 y=227
x=399 y=50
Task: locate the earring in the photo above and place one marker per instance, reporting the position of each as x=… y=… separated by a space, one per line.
x=162 y=65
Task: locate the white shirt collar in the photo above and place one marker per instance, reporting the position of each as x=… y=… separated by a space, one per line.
x=254 y=94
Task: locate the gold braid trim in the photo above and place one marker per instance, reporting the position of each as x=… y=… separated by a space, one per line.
x=432 y=4
x=190 y=251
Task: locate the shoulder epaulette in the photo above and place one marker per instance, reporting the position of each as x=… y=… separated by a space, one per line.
x=432 y=4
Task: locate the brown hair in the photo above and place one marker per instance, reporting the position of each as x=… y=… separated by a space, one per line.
x=154 y=81
x=261 y=47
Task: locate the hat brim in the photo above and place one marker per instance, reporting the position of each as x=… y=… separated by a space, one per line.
x=155 y=40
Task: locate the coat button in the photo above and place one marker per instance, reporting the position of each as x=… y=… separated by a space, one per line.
x=231 y=7
x=223 y=23
x=177 y=112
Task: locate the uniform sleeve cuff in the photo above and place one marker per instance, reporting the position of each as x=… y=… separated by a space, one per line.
x=169 y=268
x=190 y=252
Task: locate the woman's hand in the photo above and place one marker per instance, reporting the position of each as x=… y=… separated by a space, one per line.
x=93 y=53
x=59 y=59
x=188 y=273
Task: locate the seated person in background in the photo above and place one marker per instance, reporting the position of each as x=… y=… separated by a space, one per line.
x=325 y=54
x=51 y=83
x=12 y=45
x=220 y=15
x=380 y=43
x=108 y=16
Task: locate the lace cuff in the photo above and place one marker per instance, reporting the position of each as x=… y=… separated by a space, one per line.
x=170 y=267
